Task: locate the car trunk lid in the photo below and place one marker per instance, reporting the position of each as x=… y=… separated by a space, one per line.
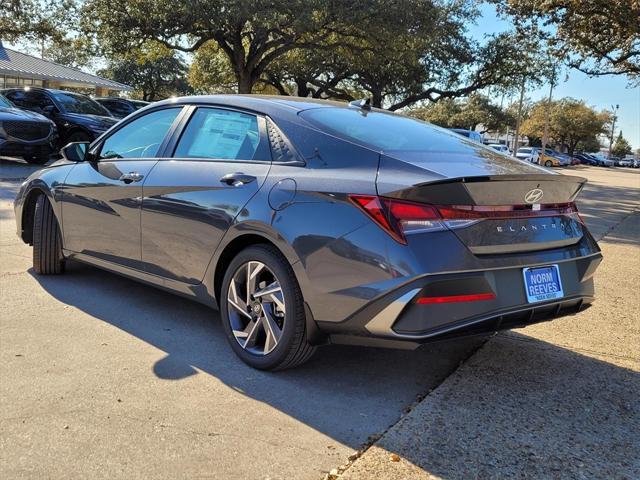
x=492 y=213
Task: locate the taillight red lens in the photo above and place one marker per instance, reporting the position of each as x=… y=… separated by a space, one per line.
x=398 y=217
x=457 y=212
x=401 y=217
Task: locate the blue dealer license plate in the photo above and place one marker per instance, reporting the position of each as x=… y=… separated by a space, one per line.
x=542 y=283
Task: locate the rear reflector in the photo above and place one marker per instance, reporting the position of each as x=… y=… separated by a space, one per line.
x=400 y=217
x=457 y=298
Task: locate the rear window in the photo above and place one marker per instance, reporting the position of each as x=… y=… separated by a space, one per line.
x=384 y=131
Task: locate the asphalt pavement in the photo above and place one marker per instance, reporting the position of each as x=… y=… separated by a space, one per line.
x=102 y=377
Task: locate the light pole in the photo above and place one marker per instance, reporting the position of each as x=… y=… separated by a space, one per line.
x=546 y=117
x=613 y=127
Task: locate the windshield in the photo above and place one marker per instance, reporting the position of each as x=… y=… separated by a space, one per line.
x=5 y=103
x=384 y=131
x=76 y=103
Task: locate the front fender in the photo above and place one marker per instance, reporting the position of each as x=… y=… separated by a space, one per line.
x=46 y=181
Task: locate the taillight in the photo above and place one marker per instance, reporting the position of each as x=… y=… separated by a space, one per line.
x=400 y=217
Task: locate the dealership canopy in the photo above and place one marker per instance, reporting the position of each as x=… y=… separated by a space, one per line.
x=19 y=69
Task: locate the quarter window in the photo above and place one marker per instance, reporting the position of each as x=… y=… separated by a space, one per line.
x=142 y=137
x=220 y=134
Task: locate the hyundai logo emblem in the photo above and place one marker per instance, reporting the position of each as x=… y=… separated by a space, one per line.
x=534 y=196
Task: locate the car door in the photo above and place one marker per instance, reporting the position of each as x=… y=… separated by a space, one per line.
x=220 y=160
x=102 y=197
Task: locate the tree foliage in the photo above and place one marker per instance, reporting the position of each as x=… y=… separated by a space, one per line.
x=47 y=28
x=35 y=20
x=469 y=114
x=570 y=122
x=153 y=70
x=327 y=49
x=250 y=34
x=621 y=147
x=598 y=37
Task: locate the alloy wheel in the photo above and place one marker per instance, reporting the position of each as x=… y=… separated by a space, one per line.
x=256 y=308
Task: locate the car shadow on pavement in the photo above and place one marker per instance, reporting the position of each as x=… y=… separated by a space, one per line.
x=602 y=207
x=524 y=408
x=348 y=393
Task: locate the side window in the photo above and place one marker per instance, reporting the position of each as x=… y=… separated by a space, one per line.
x=18 y=97
x=121 y=109
x=35 y=101
x=221 y=134
x=140 y=138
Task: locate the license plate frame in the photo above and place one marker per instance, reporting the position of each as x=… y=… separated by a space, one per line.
x=542 y=284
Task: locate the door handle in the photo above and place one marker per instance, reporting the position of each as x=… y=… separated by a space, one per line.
x=131 y=177
x=237 y=179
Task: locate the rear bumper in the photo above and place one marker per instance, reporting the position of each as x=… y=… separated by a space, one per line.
x=397 y=317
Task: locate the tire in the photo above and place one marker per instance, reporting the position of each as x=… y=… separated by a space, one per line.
x=47 y=240
x=37 y=159
x=548 y=163
x=292 y=348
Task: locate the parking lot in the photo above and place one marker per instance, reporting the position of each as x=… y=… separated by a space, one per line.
x=102 y=377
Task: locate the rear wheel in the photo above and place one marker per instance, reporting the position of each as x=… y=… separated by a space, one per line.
x=548 y=163
x=263 y=310
x=47 y=240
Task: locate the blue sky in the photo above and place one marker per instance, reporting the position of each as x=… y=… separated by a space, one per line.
x=598 y=92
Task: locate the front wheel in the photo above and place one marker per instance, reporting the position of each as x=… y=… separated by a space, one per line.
x=548 y=163
x=262 y=310
x=47 y=240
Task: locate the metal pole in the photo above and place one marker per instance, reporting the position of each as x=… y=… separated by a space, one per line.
x=519 y=119
x=613 y=127
x=546 y=119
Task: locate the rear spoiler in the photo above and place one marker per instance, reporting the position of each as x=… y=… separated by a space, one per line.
x=494 y=190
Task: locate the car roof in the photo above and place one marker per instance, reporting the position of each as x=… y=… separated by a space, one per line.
x=29 y=88
x=258 y=102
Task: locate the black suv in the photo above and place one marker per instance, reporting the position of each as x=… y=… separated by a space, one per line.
x=120 y=107
x=25 y=134
x=78 y=117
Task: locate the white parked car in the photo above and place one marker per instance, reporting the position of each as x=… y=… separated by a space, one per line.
x=500 y=148
x=625 y=163
x=529 y=154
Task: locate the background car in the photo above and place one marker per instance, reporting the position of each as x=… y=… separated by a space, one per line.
x=606 y=162
x=586 y=159
x=550 y=158
x=120 y=107
x=472 y=134
x=310 y=222
x=498 y=147
x=623 y=162
x=25 y=134
x=77 y=117
x=529 y=154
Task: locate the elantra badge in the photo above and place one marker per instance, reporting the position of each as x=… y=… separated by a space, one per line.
x=534 y=196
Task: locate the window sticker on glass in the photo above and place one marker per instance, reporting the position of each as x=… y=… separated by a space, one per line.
x=220 y=134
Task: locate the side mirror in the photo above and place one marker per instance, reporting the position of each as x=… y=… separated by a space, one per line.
x=75 y=152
